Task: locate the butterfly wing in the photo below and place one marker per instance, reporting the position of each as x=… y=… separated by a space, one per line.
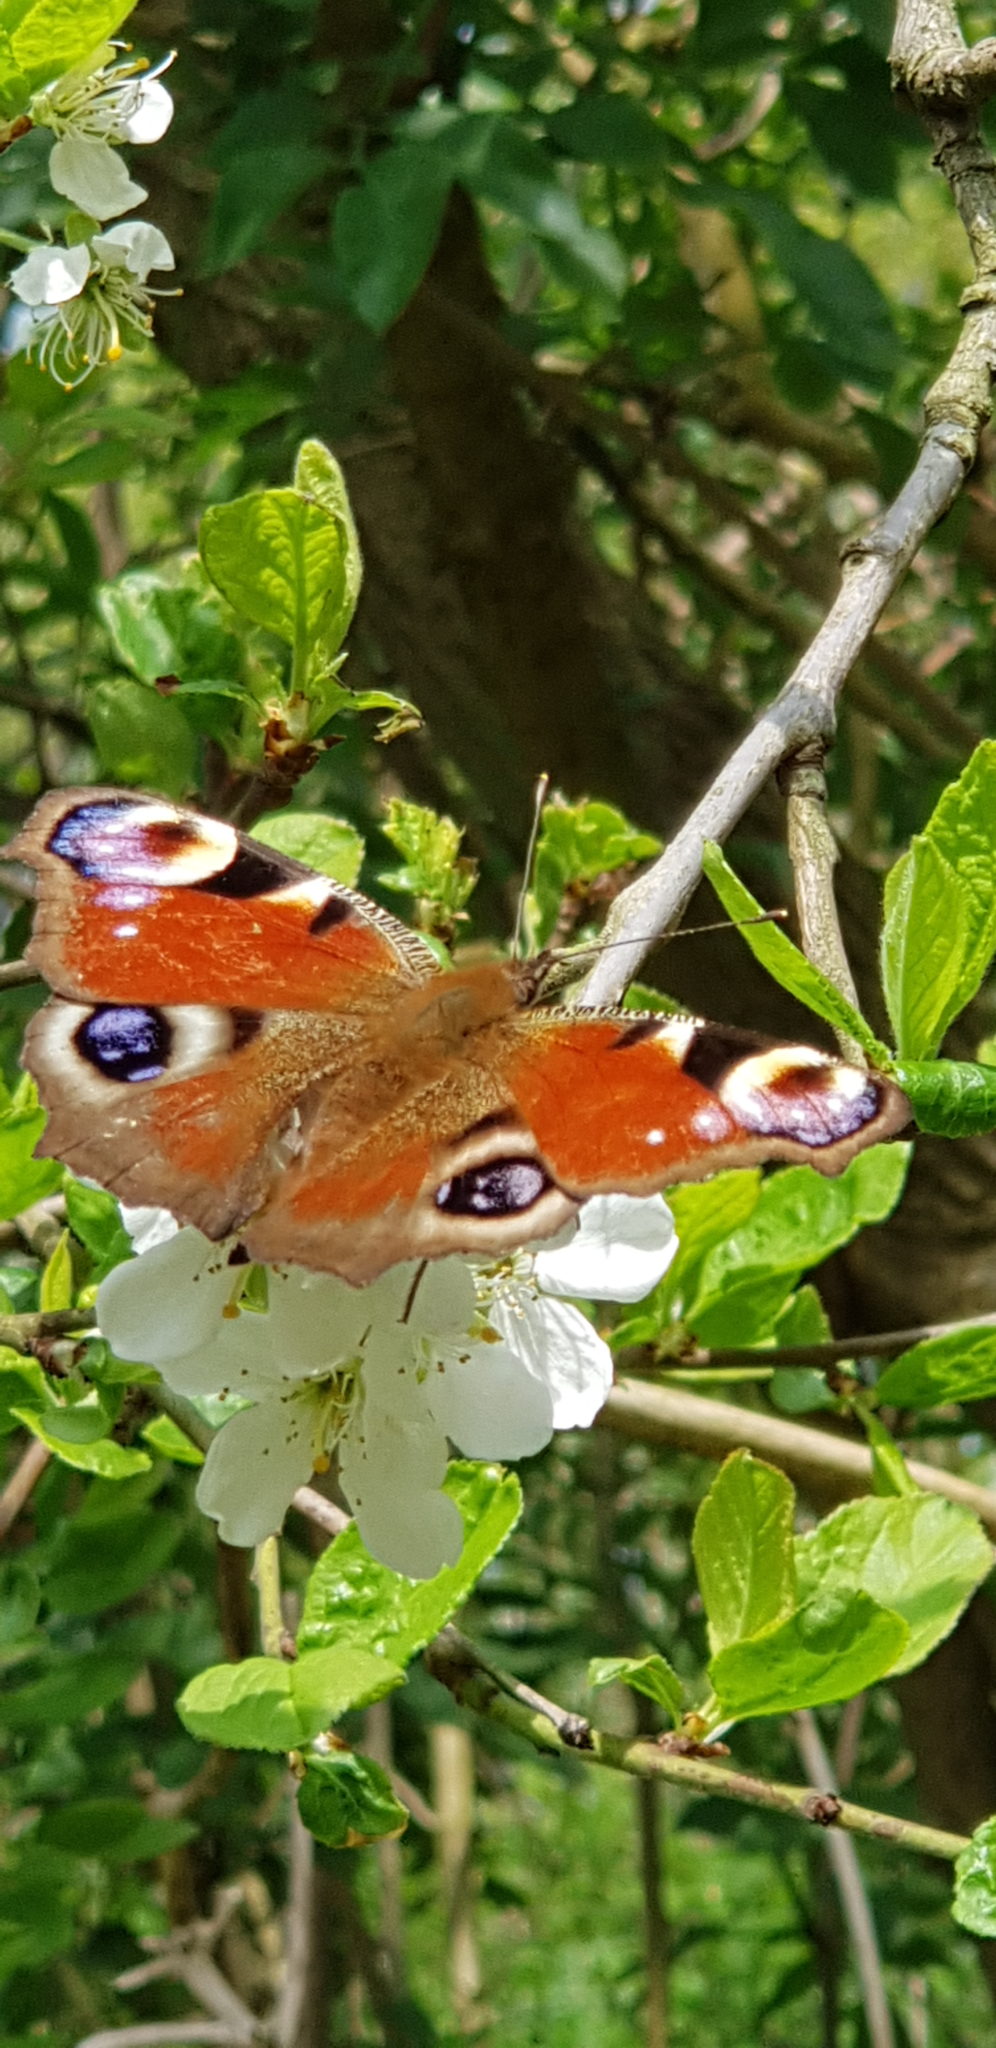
x=545 y=1109
x=144 y=906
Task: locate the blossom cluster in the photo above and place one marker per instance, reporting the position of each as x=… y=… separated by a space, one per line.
x=84 y=300
x=489 y=1357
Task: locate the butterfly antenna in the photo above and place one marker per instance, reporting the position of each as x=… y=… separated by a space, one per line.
x=540 y=794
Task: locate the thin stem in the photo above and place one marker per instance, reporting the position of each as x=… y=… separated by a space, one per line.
x=22 y=1482
x=830 y=1466
x=879 y=1344
x=850 y=1889
x=477 y=1686
x=813 y=855
x=266 y=1573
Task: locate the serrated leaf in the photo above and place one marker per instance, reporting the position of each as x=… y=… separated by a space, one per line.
x=799 y=1219
x=653 y=1676
x=949 y=1098
x=827 y=1650
x=56 y=1289
x=329 y=845
x=167 y=1438
x=959 y=1367
x=577 y=843
x=42 y=39
x=962 y=827
x=974 y=1904
x=263 y=1703
x=282 y=561
x=783 y=961
x=918 y=1555
x=346 y=1800
x=742 y=1545
x=354 y=1601
x=924 y=949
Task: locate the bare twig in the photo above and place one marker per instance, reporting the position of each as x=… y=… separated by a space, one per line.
x=814 y=855
x=17 y=974
x=843 y=1857
x=476 y=1685
x=163 y=2034
x=879 y=1344
x=22 y=1482
x=23 y=1332
x=829 y=1465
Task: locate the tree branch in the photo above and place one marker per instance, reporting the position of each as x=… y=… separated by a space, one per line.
x=477 y=1686
x=825 y=1464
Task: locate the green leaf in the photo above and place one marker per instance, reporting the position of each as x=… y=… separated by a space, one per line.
x=93 y=1568
x=42 y=39
x=318 y=475
x=56 y=1287
x=169 y=621
x=263 y=1703
x=742 y=1545
x=20 y=1599
x=799 y=1219
x=353 y=1601
x=838 y=291
x=974 y=1904
x=783 y=961
x=963 y=829
x=329 y=845
x=959 y=1367
x=949 y=1098
x=24 y=1179
x=22 y=1385
x=142 y=739
x=705 y=1215
x=283 y=561
x=99 y=1455
x=255 y=187
x=77 y=1687
x=827 y=1650
x=578 y=843
x=920 y=1556
x=95 y=1219
x=347 y=1800
x=518 y=176
x=925 y=947
x=386 y=229
x=435 y=872
x=167 y=1438
x=615 y=129
x=115 y=1830
x=653 y=1676
x=890 y=1472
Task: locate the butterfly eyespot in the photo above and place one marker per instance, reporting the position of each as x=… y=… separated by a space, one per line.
x=125 y=1042
x=504 y=1187
x=247 y=874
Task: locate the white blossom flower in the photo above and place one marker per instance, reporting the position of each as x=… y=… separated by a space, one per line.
x=88 y=111
x=91 y=299
x=486 y=1356
x=123 y=101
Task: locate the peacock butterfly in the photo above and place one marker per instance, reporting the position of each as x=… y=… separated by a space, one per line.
x=266 y=1052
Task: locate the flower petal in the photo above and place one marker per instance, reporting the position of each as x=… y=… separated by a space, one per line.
x=490 y=1403
x=148 y=120
x=254 y=1465
x=48 y=277
x=93 y=176
x=392 y=1460
x=167 y=1302
x=624 y=1245
x=563 y=1351
x=148 y=1227
x=314 y=1320
x=137 y=246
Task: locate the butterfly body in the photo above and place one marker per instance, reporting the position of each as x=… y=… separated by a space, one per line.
x=265 y=1052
